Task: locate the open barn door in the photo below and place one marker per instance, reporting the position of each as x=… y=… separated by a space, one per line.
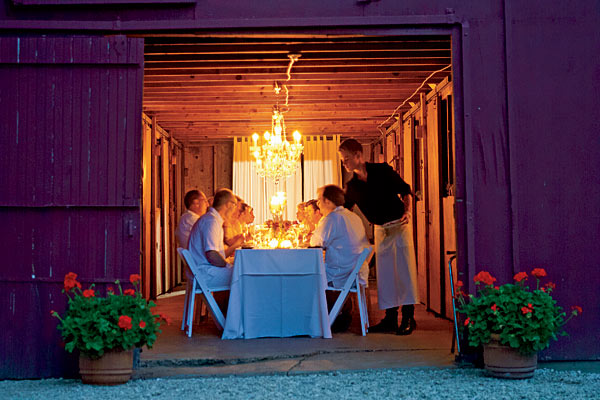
x=70 y=134
x=429 y=166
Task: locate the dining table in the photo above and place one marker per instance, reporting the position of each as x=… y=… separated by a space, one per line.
x=277 y=293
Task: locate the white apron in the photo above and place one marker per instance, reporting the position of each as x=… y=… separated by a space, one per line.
x=396 y=265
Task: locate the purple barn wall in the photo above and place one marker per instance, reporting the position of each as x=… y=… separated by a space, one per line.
x=71 y=139
x=553 y=86
x=527 y=112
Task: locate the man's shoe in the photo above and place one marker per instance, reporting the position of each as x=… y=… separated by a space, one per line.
x=407 y=327
x=385 y=326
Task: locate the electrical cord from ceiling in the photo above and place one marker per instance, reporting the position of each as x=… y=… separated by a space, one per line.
x=410 y=97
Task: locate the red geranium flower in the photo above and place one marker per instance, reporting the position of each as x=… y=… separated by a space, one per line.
x=538 y=272
x=520 y=276
x=550 y=285
x=133 y=278
x=125 y=322
x=494 y=307
x=89 y=293
x=526 y=310
x=110 y=290
x=459 y=284
x=129 y=292
x=142 y=324
x=71 y=281
x=467 y=321
x=576 y=310
x=484 y=277
x=70 y=276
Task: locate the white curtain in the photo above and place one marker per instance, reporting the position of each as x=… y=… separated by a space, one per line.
x=258 y=191
x=321 y=164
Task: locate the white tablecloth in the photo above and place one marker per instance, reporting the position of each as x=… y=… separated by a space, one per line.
x=277 y=293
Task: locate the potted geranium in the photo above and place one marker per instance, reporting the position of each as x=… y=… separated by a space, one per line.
x=106 y=329
x=512 y=322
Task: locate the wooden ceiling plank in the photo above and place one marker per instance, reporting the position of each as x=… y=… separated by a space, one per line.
x=288 y=48
x=149 y=70
x=305 y=57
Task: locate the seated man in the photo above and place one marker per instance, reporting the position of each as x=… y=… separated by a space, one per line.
x=196 y=203
x=341 y=233
x=206 y=241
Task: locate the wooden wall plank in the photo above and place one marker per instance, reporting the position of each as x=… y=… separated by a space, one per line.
x=51 y=127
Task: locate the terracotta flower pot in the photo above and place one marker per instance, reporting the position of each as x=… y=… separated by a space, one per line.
x=113 y=368
x=502 y=361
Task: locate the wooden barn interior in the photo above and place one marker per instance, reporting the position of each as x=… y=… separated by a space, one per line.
x=392 y=93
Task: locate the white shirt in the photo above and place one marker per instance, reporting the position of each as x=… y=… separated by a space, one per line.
x=207 y=234
x=186 y=222
x=342 y=234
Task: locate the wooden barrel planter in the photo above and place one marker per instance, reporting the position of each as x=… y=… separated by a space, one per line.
x=502 y=361
x=113 y=368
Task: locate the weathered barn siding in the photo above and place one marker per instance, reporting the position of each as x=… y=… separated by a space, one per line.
x=208 y=167
x=553 y=97
x=70 y=173
x=527 y=104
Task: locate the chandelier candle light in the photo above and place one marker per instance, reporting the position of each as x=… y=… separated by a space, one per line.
x=276 y=158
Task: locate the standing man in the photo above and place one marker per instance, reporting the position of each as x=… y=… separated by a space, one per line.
x=383 y=197
x=196 y=203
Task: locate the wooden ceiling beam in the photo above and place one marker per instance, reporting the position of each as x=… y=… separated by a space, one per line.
x=258 y=88
x=293 y=48
x=161 y=104
x=297 y=68
x=149 y=70
x=237 y=38
x=306 y=57
x=260 y=118
x=267 y=107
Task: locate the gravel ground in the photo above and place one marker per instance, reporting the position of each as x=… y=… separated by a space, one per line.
x=412 y=383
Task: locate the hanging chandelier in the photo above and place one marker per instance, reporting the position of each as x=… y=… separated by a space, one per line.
x=276 y=158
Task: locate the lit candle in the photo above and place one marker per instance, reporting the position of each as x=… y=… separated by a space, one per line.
x=297 y=136
x=255 y=138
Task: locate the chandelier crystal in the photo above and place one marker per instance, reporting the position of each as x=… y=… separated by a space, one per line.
x=275 y=156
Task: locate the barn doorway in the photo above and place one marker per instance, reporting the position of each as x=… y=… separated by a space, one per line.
x=394 y=92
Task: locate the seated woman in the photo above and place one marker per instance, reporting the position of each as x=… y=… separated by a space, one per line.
x=300 y=213
x=233 y=228
x=312 y=216
x=246 y=218
x=341 y=233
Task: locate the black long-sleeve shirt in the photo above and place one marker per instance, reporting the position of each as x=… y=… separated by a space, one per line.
x=378 y=198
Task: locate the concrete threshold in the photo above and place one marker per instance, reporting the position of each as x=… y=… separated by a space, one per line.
x=314 y=362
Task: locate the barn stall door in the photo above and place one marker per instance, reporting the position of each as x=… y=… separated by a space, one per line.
x=70 y=177
x=435 y=234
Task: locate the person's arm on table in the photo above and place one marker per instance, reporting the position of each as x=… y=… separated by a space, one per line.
x=236 y=242
x=215 y=258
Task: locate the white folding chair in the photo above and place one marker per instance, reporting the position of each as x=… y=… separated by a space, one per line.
x=353 y=285
x=197 y=285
